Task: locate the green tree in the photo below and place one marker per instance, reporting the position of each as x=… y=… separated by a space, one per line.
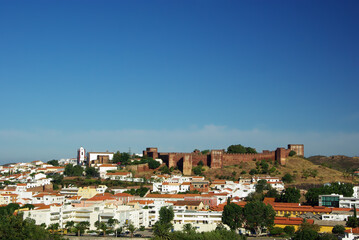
x=54 y=162
x=312 y=195
x=338 y=229
x=112 y=222
x=165 y=170
x=292 y=153
x=14 y=227
x=69 y=225
x=240 y=149
x=125 y=158
x=91 y=172
x=272 y=193
x=290 y=195
x=81 y=227
x=253 y=171
x=205 y=152
x=289 y=230
x=101 y=226
x=132 y=229
x=153 y=164
x=71 y=170
x=232 y=216
x=306 y=234
x=258 y=216
x=166 y=214
x=262 y=185
x=197 y=170
x=29 y=206
x=188 y=228
x=162 y=230
x=116 y=157
x=276 y=231
x=288 y=178
x=353 y=221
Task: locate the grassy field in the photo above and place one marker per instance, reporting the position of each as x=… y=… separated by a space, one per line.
x=299 y=167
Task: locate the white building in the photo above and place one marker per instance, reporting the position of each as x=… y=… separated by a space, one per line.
x=99 y=212
x=48 y=198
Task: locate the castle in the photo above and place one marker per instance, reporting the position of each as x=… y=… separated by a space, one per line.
x=219 y=158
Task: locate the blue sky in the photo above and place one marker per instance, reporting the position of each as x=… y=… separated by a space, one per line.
x=179 y=75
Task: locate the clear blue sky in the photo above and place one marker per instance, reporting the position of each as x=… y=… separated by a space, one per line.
x=177 y=75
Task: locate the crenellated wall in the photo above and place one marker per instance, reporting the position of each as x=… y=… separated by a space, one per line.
x=217 y=158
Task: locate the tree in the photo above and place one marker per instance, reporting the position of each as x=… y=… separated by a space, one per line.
x=345 y=189
x=188 y=228
x=69 y=225
x=287 y=178
x=272 y=193
x=101 y=226
x=290 y=195
x=205 y=152
x=338 y=229
x=132 y=229
x=166 y=214
x=253 y=171
x=306 y=234
x=258 y=216
x=54 y=162
x=53 y=227
x=91 y=172
x=163 y=226
x=153 y=164
x=29 y=206
x=289 y=230
x=81 y=227
x=116 y=157
x=353 y=221
x=276 y=231
x=162 y=230
x=292 y=153
x=71 y=170
x=197 y=170
x=16 y=228
x=232 y=216
x=262 y=185
x=112 y=222
x=124 y=159
x=240 y=149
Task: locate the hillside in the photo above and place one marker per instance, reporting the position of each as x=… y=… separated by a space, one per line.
x=305 y=172
x=339 y=162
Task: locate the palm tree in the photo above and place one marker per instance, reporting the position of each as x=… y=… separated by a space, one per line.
x=112 y=222
x=53 y=227
x=69 y=225
x=81 y=227
x=132 y=229
x=101 y=226
x=119 y=230
x=162 y=230
x=187 y=228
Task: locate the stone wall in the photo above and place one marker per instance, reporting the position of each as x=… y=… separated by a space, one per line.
x=218 y=158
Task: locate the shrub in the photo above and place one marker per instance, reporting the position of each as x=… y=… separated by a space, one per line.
x=275 y=231
x=253 y=171
x=292 y=153
x=289 y=230
x=287 y=178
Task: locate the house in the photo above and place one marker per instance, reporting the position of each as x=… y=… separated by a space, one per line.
x=189 y=205
x=48 y=198
x=122 y=176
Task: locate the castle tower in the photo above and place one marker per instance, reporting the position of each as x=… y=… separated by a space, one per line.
x=81 y=156
x=297 y=148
